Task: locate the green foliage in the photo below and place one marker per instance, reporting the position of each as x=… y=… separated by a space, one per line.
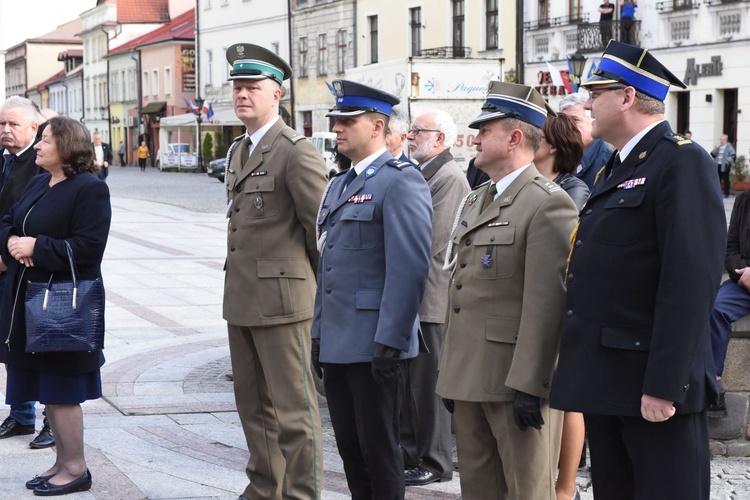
x=220 y=148
x=739 y=170
x=510 y=76
x=208 y=148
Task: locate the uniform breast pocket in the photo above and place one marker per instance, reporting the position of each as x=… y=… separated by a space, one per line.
x=261 y=199
x=358 y=227
x=622 y=222
x=493 y=252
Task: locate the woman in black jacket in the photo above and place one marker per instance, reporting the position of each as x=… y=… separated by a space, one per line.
x=66 y=203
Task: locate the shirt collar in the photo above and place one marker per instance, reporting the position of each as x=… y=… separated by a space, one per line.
x=256 y=136
x=632 y=143
x=503 y=183
x=361 y=166
x=7 y=153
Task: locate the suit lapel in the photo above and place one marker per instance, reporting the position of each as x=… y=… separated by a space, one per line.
x=440 y=160
x=359 y=182
x=637 y=155
x=503 y=200
x=263 y=147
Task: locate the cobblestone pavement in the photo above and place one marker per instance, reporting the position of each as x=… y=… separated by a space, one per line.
x=166 y=427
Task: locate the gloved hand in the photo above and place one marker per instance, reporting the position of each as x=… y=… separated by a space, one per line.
x=527 y=411
x=315 y=356
x=385 y=363
x=449 y=405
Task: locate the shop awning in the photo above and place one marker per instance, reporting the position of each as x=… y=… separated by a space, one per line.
x=153 y=107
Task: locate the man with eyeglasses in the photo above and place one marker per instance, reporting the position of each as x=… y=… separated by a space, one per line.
x=426 y=424
x=635 y=346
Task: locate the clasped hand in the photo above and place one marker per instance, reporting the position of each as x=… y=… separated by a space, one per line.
x=22 y=249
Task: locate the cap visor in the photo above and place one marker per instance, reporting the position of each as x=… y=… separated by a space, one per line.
x=250 y=77
x=486 y=116
x=341 y=112
x=598 y=80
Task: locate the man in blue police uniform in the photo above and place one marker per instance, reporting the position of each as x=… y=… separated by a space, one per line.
x=635 y=351
x=374 y=236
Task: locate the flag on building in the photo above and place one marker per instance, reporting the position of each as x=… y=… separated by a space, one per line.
x=192 y=107
x=558 y=80
x=209 y=112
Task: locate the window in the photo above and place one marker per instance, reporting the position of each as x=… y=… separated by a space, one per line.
x=227 y=66
x=209 y=67
x=458 y=28
x=543 y=13
x=491 y=25
x=303 y=57
x=115 y=90
x=341 y=51
x=574 y=10
x=167 y=81
x=372 y=21
x=125 y=87
x=415 y=25
x=144 y=84
x=155 y=83
x=322 y=54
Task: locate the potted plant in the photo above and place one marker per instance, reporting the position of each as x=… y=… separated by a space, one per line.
x=740 y=174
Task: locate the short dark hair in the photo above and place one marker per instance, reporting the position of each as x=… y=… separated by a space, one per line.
x=73 y=145
x=561 y=132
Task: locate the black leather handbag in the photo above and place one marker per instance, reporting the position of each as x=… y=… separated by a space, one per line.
x=65 y=315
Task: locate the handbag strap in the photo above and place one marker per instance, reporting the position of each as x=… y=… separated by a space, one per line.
x=73 y=267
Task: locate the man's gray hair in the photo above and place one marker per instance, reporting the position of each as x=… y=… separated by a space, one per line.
x=648 y=105
x=26 y=106
x=444 y=123
x=398 y=121
x=574 y=99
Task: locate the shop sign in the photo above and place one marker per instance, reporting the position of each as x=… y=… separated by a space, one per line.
x=693 y=71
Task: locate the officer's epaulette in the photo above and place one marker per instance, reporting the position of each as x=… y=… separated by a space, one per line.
x=678 y=139
x=393 y=162
x=546 y=184
x=292 y=135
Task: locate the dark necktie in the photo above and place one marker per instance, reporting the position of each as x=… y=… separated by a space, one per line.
x=245 y=150
x=490 y=196
x=615 y=164
x=350 y=176
x=6 y=168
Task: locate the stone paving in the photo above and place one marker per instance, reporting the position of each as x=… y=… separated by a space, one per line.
x=166 y=427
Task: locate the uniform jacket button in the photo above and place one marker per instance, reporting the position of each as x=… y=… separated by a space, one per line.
x=239 y=189
x=328 y=290
x=457 y=309
x=686 y=387
x=468 y=242
x=328 y=267
x=570 y=277
x=569 y=313
x=237 y=209
x=546 y=383
x=282 y=272
x=621 y=201
x=579 y=243
x=462 y=264
x=459 y=286
x=588 y=212
x=233 y=249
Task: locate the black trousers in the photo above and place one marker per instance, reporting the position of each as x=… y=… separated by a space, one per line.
x=365 y=418
x=724 y=177
x=634 y=459
x=426 y=438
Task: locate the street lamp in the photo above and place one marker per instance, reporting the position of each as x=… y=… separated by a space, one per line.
x=199 y=119
x=577 y=62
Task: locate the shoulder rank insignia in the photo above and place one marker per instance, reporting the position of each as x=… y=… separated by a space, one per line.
x=599 y=174
x=552 y=187
x=393 y=162
x=630 y=184
x=359 y=198
x=682 y=140
x=256 y=174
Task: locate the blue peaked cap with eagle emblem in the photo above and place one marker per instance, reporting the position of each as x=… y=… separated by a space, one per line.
x=354 y=99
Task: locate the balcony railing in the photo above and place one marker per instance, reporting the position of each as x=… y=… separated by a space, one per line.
x=447 y=52
x=593 y=37
x=554 y=21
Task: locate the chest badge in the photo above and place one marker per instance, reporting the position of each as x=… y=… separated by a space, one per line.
x=642 y=155
x=630 y=184
x=258 y=202
x=472 y=199
x=256 y=174
x=359 y=198
x=487 y=258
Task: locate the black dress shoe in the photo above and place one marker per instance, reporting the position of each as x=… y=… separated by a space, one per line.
x=44 y=439
x=419 y=476
x=36 y=481
x=81 y=483
x=11 y=427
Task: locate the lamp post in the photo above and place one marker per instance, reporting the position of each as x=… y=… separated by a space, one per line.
x=199 y=119
x=577 y=62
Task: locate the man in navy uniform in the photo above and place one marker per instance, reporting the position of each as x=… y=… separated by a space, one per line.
x=635 y=353
x=374 y=236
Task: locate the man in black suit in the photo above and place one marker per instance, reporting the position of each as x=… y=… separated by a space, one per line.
x=635 y=346
x=102 y=155
x=19 y=123
x=395 y=136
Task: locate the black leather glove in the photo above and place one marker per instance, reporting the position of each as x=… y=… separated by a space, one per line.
x=527 y=411
x=385 y=363
x=449 y=405
x=315 y=356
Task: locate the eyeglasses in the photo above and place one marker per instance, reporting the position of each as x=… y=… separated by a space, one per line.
x=593 y=94
x=416 y=131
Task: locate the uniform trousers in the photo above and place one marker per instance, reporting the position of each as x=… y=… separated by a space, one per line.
x=500 y=461
x=425 y=423
x=365 y=419
x=278 y=409
x=732 y=303
x=634 y=459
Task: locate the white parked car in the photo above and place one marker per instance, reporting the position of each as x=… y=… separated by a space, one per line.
x=176 y=155
x=326 y=144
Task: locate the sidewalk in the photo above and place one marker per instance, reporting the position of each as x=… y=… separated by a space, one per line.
x=166 y=427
